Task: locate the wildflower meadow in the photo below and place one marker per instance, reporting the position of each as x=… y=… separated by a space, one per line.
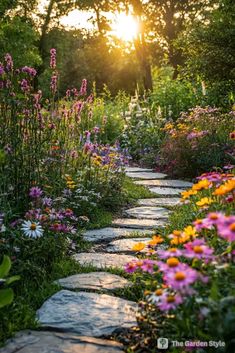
x=117 y=176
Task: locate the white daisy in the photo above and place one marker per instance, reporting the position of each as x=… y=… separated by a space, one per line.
x=32 y=229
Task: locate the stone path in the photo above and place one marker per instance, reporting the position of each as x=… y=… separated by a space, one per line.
x=80 y=313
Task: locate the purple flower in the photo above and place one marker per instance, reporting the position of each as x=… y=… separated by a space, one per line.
x=54 y=83
x=53 y=58
x=35 y=192
x=83 y=89
x=180 y=277
x=198 y=249
x=47 y=201
x=169 y=301
x=173 y=252
x=29 y=70
x=25 y=87
x=226 y=228
x=9 y=62
x=2 y=70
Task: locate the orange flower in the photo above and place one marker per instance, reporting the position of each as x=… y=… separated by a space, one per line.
x=225 y=188
x=156 y=240
x=138 y=247
x=202 y=184
x=188 y=193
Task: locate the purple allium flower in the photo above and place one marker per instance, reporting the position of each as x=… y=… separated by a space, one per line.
x=53 y=58
x=9 y=62
x=35 y=192
x=83 y=89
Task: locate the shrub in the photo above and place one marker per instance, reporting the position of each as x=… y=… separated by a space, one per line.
x=197 y=142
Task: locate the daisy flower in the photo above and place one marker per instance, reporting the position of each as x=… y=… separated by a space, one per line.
x=32 y=229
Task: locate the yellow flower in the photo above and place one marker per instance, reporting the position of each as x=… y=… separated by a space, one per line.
x=202 y=184
x=225 y=188
x=190 y=231
x=205 y=201
x=188 y=193
x=180 y=240
x=156 y=240
x=138 y=247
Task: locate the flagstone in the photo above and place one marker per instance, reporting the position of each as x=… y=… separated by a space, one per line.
x=58 y=342
x=126 y=245
x=165 y=183
x=139 y=223
x=146 y=175
x=103 y=260
x=94 y=281
x=89 y=314
x=161 y=201
x=109 y=233
x=146 y=212
x=166 y=191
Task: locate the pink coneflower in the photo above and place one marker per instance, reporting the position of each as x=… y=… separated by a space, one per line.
x=198 y=249
x=35 y=192
x=169 y=301
x=131 y=267
x=182 y=276
x=226 y=228
x=147 y=265
x=164 y=254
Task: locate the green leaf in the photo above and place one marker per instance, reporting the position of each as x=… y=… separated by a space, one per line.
x=12 y=279
x=6 y=297
x=5 y=266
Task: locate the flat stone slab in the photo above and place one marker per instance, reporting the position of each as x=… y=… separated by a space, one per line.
x=137 y=170
x=102 y=260
x=56 y=342
x=165 y=183
x=107 y=234
x=94 y=281
x=166 y=191
x=139 y=223
x=146 y=175
x=126 y=245
x=161 y=201
x=146 y=212
x=89 y=314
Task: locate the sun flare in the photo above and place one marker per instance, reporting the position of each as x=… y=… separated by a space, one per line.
x=125 y=27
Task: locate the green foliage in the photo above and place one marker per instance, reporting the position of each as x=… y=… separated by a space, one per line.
x=6 y=294
x=197 y=142
x=19 y=38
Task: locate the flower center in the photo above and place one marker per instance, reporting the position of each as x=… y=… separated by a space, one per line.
x=214 y=216
x=172 y=262
x=158 y=292
x=198 y=249
x=180 y=276
x=173 y=250
x=33 y=226
x=232 y=227
x=170 y=299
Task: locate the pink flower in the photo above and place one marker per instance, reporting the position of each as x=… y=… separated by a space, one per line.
x=198 y=249
x=83 y=89
x=53 y=58
x=173 y=252
x=35 y=192
x=147 y=265
x=169 y=301
x=182 y=276
x=226 y=228
x=131 y=267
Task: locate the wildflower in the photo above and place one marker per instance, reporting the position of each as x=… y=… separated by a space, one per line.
x=226 y=228
x=83 y=89
x=155 y=240
x=35 y=192
x=138 y=247
x=29 y=70
x=204 y=202
x=25 y=87
x=9 y=62
x=190 y=231
x=32 y=229
x=131 y=267
x=1 y=70
x=225 y=188
x=188 y=193
x=202 y=184
x=169 y=301
x=147 y=265
x=232 y=135
x=53 y=58
x=198 y=249
x=182 y=276
x=53 y=84
x=164 y=254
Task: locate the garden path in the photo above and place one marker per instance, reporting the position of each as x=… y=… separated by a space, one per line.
x=78 y=317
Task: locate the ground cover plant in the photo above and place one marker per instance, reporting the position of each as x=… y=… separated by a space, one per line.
x=188 y=274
